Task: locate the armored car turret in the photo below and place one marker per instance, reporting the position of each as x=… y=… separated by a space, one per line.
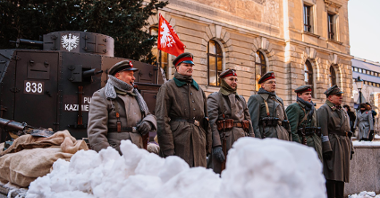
x=52 y=87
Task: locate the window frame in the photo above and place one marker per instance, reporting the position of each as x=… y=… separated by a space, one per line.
x=308 y=18
x=332 y=76
x=331 y=29
x=216 y=56
x=310 y=74
x=261 y=64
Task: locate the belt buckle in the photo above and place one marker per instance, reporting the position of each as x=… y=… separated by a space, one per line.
x=134 y=130
x=196 y=123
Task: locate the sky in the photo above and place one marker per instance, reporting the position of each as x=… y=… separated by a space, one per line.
x=364 y=24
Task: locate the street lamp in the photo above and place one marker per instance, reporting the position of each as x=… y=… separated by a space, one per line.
x=359 y=84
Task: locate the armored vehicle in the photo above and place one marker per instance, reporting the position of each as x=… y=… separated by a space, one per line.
x=52 y=87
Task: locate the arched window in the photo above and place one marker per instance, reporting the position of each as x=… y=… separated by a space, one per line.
x=332 y=77
x=261 y=67
x=161 y=57
x=309 y=75
x=215 y=62
x=261 y=64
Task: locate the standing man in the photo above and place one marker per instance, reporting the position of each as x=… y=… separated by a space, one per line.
x=229 y=118
x=181 y=109
x=303 y=120
x=267 y=111
x=118 y=111
x=336 y=142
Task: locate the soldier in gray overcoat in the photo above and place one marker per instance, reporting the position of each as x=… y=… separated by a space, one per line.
x=181 y=110
x=267 y=111
x=229 y=118
x=303 y=120
x=364 y=122
x=336 y=142
x=118 y=111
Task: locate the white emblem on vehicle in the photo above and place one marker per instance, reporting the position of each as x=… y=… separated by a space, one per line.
x=70 y=42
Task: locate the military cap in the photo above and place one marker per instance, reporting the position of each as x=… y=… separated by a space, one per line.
x=304 y=88
x=267 y=76
x=334 y=90
x=228 y=72
x=125 y=65
x=183 y=58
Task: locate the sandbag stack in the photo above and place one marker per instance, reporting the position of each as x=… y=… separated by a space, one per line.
x=30 y=157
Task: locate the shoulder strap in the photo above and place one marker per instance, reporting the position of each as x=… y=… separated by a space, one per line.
x=304 y=117
x=222 y=105
x=266 y=105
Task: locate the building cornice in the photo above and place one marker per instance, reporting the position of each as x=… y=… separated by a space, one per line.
x=320 y=48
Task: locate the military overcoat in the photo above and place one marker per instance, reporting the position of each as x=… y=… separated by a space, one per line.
x=178 y=101
x=364 y=123
x=332 y=119
x=296 y=113
x=233 y=107
x=102 y=117
x=257 y=111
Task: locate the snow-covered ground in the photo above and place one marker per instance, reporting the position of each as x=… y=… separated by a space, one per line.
x=257 y=168
x=365 y=143
x=364 y=194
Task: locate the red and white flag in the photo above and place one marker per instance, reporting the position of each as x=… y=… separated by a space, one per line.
x=168 y=40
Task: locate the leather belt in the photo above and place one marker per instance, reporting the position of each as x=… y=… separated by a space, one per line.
x=191 y=121
x=339 y=133
x=238 y=124
x=123 y=129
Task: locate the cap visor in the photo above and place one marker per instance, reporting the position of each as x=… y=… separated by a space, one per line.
x=130 y=69
x=188 y=61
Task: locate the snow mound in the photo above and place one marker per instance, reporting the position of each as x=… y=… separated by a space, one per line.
x=255 y=168
x=356 y=143
x=364 y=194
x=136 y=173
x=272 y=168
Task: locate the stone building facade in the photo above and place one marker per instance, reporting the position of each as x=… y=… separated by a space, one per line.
x=302 y=41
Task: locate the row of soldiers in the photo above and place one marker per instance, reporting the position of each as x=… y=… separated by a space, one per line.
x=191 y=126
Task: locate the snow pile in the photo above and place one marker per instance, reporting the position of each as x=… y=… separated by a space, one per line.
x=364 y=194
x=255 y=168
x=135 y=174
x=270 y=168
x=366 y=143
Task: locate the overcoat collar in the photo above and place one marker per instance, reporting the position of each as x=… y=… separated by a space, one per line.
x=266 y=96
x=180 y=83
x=332 y=106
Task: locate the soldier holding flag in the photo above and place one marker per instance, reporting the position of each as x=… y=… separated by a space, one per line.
x=181 y=110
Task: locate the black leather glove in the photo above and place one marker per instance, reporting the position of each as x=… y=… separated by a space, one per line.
x=327 y=155
x=144 y=127
x=218 y=153
x=372 y=131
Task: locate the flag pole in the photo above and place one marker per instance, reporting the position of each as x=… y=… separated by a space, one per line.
x=159 y=51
